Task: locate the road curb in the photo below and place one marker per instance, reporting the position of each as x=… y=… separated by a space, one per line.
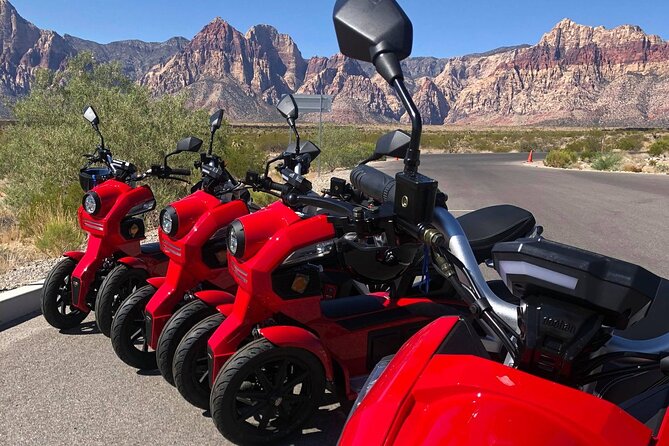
x=20 y=302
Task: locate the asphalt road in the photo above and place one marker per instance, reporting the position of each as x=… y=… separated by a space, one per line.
x=70 y=388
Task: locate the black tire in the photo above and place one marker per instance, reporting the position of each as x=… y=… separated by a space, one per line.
x=128 y=332
x=176 y=328
x=256 y=384
x=190 y=366
x=120 y=283
x=56 y=300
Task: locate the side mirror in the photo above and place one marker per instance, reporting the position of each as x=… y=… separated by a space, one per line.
x=91 y=116
x=189 y=144
x=376 y=31
x=216 y=120
x=395 y=144
x=288 y=108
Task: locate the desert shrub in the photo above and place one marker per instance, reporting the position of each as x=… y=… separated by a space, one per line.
x=631 y=167
x=560 y=158
x=587 y=156
x=629 y=143
x=607 y=161
x=587 y=144
x=659 y=147
x=40 y=155
x=342 y=147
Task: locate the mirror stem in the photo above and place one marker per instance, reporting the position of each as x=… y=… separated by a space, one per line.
x=211 y=142
x=297 y=137
x=102 y=139
x=412 y=158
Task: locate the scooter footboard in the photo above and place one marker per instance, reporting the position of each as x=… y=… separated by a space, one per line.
x=296 y=337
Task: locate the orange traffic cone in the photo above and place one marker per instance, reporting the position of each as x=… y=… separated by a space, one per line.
x=529 y=157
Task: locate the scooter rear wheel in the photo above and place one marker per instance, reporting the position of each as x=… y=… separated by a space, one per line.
x=120 y=283
x=128 y=332
x=191 y=367
x=265 y=393
x=57 y=297
x=176 y=328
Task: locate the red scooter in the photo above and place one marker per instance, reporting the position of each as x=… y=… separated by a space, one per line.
x=192 y=235
x=189 y=366
x=110 y=214
x=547 y=329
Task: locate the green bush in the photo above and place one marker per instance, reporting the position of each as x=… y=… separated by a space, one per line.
x=587 y=155
x=629 y=143
x=41 y=154
x=587 y=144
x=607 y=161
x=560 y=158
x=659 y=147
x=342 y=147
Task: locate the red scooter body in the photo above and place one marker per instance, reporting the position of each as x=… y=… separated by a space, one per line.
x=271 y=236
x=201 y=217
x=428 y=395
x=106 y=238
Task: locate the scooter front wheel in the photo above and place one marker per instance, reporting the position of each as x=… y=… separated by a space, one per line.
x=119 y=284
x=57 y=297
x=265 y=393
x=190 y=367
x=128 y=331
x=176 y=328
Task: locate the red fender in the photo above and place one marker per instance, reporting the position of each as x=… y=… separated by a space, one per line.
x=225 y=309
x=296 y=337
x=214 y=298
x=133 y=262
x=156 y=282
x=74 y=255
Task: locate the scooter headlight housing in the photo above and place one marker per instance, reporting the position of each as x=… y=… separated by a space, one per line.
x=91 y=203
x=169 y=221
x=236 y=239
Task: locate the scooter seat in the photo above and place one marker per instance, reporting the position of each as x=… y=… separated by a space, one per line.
x=488 y=226
x=150 y=249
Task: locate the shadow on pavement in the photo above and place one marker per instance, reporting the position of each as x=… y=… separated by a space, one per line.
x=86 y=328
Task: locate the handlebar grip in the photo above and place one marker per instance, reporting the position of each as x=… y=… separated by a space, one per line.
x=373 y=183
x=273 y=185
x=180 y=172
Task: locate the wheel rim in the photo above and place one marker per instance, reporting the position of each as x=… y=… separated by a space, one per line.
x=271 y=398
x=126 y=289
x=201 y=369
x=64 y=299
x=137 y=331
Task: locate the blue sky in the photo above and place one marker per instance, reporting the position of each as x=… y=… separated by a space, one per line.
x=441 y=28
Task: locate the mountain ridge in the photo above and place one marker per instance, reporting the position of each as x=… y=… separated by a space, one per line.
x=574 y=75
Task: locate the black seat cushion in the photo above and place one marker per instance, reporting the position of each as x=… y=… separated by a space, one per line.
x=488 y=226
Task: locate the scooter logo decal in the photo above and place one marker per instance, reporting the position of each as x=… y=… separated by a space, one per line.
x=559 y=324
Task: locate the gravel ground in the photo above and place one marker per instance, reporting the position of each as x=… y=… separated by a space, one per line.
x=25 y=273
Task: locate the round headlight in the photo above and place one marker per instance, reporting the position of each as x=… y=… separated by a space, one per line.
x=169 y=220
x=236 y=239
x=91 y=203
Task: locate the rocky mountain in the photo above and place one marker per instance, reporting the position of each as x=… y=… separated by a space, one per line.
x=26 y=48
x=574 y=75
x=136 y=56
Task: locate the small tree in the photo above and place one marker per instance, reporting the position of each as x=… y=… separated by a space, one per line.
x=40 y=155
